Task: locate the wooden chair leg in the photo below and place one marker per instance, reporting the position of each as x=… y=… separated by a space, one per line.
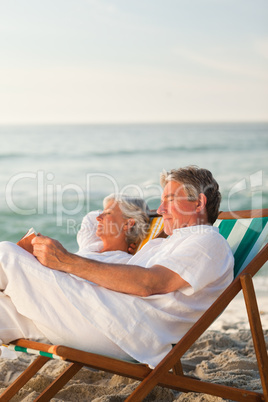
x=177 y=368
x=23 y=378
x=59 y=382
x=256 y=330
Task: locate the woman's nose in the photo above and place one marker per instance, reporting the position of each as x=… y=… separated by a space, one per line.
x=99 y=218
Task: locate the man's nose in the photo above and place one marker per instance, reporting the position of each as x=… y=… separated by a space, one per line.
x=161 y=209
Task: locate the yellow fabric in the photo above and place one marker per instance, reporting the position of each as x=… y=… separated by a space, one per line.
x=156 y=226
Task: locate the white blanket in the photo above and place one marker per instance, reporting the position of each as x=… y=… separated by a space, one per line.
x=64 y=307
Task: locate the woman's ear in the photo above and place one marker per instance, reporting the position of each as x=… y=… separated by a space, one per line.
x=129 y=224
x=202 y=201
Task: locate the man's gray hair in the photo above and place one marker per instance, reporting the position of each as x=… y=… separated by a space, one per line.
x=135 y=208
x=195 y=181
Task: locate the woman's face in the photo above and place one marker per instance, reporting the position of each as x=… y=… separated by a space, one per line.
x=111 y=221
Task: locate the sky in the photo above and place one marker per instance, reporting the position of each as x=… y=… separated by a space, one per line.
x=133 y=61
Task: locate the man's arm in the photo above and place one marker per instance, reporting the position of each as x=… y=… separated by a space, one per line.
x=130 y=279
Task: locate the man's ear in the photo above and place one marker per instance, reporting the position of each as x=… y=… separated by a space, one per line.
x=202 y=201
x=129 y=224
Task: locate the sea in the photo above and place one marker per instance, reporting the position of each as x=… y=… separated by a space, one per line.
x=52 y=175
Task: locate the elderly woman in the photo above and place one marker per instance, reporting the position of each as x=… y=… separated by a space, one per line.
x=123 y=222
x=103 y=236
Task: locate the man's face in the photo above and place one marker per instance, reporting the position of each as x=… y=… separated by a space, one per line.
x=175 y=208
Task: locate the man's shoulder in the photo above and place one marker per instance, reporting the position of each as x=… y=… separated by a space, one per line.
x=150 y=245
x=198 y=233
x=195 y=230
x=154 y=242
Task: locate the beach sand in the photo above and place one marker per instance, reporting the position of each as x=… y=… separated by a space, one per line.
x=223 y=354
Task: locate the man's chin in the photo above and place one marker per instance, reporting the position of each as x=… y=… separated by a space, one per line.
x=168 y=227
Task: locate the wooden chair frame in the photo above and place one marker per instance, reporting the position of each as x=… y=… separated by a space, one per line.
x=168 y=372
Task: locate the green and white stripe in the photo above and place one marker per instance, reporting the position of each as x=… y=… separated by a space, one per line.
x=246 y=237
x=16 y=348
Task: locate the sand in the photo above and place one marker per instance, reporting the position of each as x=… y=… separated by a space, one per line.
x=223 y=354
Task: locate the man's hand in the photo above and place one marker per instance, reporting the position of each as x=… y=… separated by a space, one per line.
x=131 y=279
x=50 y=253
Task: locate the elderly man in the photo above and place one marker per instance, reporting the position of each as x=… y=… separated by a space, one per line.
x=140 y=308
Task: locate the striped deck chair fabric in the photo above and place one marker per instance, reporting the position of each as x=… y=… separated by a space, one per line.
x=156 y=226
x=246 y=237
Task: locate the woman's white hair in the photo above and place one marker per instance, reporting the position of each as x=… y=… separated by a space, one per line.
x=134 y=208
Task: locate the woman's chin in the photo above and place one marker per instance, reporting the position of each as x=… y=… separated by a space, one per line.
x=99 y=233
